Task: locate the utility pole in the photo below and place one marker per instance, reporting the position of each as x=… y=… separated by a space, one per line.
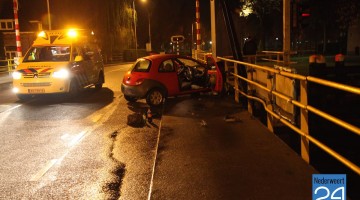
x=49 y=18
x=213 y=28
x=286 y=31
x=136 y=53
x=198 y=35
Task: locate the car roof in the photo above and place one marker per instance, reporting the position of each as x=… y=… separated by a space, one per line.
x=158 y=57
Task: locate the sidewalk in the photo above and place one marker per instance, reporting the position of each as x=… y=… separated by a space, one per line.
x=203 y=156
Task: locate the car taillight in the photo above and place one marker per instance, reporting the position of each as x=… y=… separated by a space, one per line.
x=139 y=81
x=132 y=81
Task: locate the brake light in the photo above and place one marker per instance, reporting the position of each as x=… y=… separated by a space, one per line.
x=130 y=81
x=139 y=81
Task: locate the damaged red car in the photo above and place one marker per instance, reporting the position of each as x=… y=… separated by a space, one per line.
x=159 y=76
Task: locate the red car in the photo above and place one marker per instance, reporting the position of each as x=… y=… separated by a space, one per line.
x=159 y=76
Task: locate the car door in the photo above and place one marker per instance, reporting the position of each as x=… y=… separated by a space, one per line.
x=89 y=64
x=168 y=77
x=215 y=71
x=81 y=68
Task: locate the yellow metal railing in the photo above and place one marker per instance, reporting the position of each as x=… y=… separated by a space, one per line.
x=201 y=55
x=303 y=131
x=7 y=68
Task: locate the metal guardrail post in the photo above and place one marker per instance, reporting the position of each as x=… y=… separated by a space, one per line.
x=269 y=117
x=10 y=66
x=236 y=83
x=304 y=125
x=250 y=88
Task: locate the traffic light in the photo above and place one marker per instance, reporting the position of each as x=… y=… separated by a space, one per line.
x=304 y=14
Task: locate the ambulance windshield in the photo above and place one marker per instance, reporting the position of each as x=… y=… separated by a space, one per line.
x=48 y=54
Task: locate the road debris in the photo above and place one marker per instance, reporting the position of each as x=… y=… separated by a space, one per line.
x=229 y=118
x=136 y=120
x=203 y=123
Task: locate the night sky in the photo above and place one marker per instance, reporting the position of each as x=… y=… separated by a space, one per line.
x=168 y=17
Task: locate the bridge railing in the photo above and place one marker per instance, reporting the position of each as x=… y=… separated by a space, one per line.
x=7 y=66
x=269 y=87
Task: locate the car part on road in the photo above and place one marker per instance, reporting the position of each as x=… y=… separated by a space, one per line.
x=130 y=99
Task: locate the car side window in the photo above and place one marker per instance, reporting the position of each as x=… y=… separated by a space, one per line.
x=167 y=66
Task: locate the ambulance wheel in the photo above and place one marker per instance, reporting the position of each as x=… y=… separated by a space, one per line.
x=24 y=97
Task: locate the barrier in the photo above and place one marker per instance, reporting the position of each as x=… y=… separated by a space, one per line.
x=302 y=104
x=7 y=66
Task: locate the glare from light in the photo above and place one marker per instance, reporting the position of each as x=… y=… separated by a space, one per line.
x=42 y=34
x=210 y=42
x=72 y=33
x=16 y=75
x=62 y=73
x=15 y=90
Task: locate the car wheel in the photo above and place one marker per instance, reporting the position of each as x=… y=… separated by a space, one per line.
x=99 y=85
x=155 y=97
x=24 y=97
x=130 y=99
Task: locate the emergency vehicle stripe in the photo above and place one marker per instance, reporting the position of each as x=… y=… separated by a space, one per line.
x=29 y=71
x=34 y=70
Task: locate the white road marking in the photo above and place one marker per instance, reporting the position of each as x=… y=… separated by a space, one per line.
x=41 y=173
x=76 y=139
x=105 y=113
x=12 y=108
x=65 y=136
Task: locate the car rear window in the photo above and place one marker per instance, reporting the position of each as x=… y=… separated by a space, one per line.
x=142 y=65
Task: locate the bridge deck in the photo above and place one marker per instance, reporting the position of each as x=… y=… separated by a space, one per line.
x=203 y=156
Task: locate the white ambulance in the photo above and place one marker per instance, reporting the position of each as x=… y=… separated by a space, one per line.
x=61 y=61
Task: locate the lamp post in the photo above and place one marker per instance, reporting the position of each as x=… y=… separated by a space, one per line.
x=149 y=48
x=136 y=53
x=49 y=18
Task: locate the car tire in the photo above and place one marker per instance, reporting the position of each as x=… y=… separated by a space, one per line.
x=24 y=97
x=130 y=99
x=155 y=97
x=100 y=82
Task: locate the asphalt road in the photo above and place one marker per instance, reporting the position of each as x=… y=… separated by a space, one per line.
x=56 y=147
